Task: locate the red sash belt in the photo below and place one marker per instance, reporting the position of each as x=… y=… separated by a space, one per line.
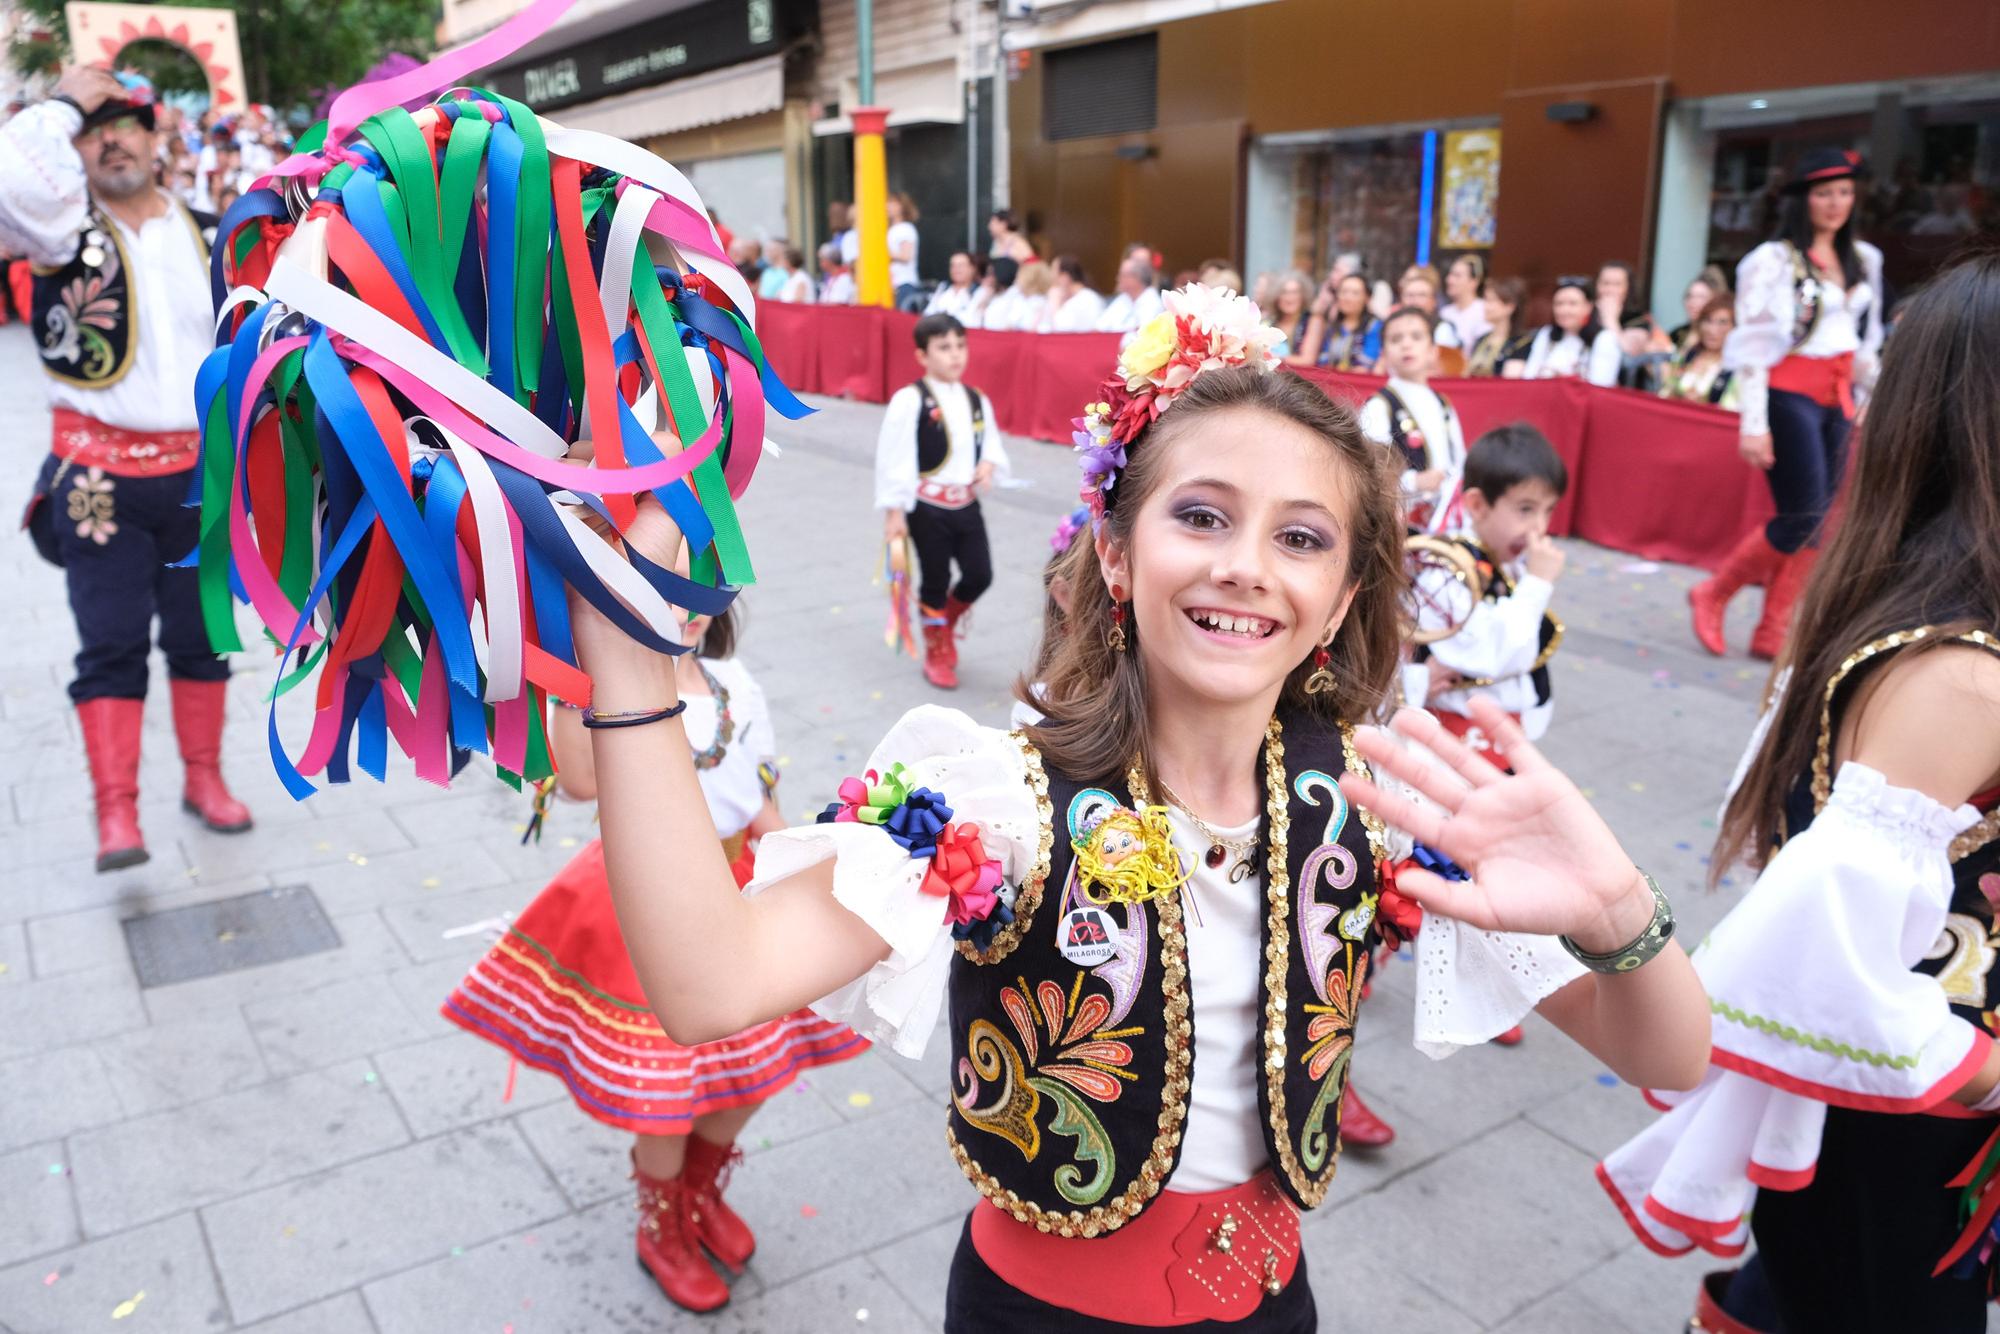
x=945 y=495
x=89 y=443
x=1187 y=1258
x=1827 y=381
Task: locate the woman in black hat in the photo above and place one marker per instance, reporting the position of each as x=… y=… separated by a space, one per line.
x=1808 y=329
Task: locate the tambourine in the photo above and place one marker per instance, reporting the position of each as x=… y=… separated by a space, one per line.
x=1443 y=588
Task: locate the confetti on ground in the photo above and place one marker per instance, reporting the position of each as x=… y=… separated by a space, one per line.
x=835 y=611
x=368 y=1078
x=128 y=1306
x=874 y=694
x=357 y=859
x=1638 y=567
x=1609 y=1081
x=807 y=1211
x=1636 y=787
x=784 y=761
x=430 y=882
x=225 y=936
x=457 y=1251
x=49 y=1279
x=568 y=842
x=1684 y=847
x=322 y=846
x=291 y=1230
x=860 y=1099
x=520 y=829
x=763 y=1143
x=55 y=1169
x=1590 y=792
x=3 y=970
x=862 y=1315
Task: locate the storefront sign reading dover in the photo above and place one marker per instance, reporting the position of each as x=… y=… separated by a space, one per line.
x=686 y=41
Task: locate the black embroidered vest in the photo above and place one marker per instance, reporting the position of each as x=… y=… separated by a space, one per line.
x=933 y=441
x=85 y=312
x=1072 y=1083
x=1403 y=425
x=1967 y=952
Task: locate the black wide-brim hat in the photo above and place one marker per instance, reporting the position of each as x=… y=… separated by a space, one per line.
x=109 y=111
x=1821 y=165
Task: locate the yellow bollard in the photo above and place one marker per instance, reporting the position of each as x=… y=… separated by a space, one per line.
x=871 y=208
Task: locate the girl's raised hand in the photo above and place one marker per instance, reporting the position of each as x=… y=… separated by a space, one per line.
x=1542 y=861
x=600 y=645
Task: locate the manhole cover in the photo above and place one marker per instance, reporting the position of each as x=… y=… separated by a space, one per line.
x=203 y=939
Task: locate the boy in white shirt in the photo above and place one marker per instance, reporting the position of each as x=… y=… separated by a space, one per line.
x=1411 y=417
x=935 y=454
x=1514 y=479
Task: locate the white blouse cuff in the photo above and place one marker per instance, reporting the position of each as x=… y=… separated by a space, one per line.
x=1474 y=985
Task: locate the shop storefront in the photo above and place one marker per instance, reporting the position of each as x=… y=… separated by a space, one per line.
x=715 y=88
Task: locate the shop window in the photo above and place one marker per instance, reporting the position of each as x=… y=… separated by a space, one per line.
x=1103 y=88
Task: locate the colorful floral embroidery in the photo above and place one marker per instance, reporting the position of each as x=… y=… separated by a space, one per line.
x=92 y=507
x=1335 y=947
x=1069 y=1053
x=77 y=323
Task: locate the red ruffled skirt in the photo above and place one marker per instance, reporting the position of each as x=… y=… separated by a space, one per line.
x=559 y=992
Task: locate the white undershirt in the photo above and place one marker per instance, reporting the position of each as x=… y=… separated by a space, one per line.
x=1223 y=1143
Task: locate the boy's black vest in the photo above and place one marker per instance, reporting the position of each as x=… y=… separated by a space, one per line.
x=1072 y=1095
x=1402 y=425
x=86 y=315
x=1499 y=586
x=933 y=441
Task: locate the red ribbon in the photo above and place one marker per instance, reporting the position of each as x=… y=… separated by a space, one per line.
x=1397 y=916
x=961 y=872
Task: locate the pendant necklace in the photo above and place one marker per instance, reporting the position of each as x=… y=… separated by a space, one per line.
x=1220 y=850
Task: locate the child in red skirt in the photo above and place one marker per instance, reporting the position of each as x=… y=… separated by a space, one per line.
x=558 y=991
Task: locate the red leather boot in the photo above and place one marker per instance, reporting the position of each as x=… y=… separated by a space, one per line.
x=198 y=711
x=669 y=1245
x=1709 y=1317
x=940 y=653
x=721 y=1229
x=1360 y=1126
x=955 y=613
x=111 y=730
x=1751 y=564
x=1769 y=640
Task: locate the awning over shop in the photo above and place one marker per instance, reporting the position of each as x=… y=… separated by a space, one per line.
x=928 y=94
x=749 y=89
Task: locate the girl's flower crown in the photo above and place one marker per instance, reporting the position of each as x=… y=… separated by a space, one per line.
x=1202 y=329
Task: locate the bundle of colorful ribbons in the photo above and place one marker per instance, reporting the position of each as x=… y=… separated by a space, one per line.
x=418 y=319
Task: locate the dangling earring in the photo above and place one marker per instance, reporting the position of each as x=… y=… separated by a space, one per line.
x=1117 y=636
x=1321 y=680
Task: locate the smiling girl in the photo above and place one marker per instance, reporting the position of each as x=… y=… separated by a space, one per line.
x=1152 y=912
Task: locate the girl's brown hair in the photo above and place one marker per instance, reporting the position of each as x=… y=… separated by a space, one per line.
x=1094 y=697
x=1915 y=545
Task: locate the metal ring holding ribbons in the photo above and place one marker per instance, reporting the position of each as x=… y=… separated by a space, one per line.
x=1450 y=601
x=1649 y=942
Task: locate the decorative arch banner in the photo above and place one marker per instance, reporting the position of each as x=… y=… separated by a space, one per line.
x=99 y=32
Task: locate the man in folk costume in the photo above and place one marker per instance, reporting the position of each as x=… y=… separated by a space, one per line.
x=122 y=318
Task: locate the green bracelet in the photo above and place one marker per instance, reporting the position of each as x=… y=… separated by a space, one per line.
x=1649 y=943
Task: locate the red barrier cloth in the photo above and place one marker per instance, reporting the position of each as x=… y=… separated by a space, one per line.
x=1665 y=481
x=1655 y=478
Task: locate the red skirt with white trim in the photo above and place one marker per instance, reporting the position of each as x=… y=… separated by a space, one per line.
x=559 y=992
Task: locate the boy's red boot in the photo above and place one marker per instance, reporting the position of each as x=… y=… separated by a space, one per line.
x=1360 y=1126
x=111 y=729
x=940 y=653
x=1776 y=623
x=721 y=1229
x=955 y=613
x=669 y=1244
x=199 y=708
x=1752 y=563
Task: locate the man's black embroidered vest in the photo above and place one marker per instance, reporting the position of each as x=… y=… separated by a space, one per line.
x=86 y=316
x=1966 y=956
x=1071 y=1095
x=1403 y=426
x=933 y=441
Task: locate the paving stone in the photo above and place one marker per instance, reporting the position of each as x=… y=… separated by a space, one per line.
x=292 y=850
x=577 y=1275
x=918 y=1265
x=1594 y=1117
x=456 y=1079
x=1524 y=1214
x=152 y=1166
x=295 y=1243
x=421 y=923
x=345 y=1314
x=59 y=1011
x=351 y=1017
x=1477 y=1088
x=40 y=1213
x=16 y=964
x=53 y=1093
x=74 y=942
x=168 y=1065
x=866 y=1086
x=852 y=1294
x=162 y=1269
x=410 y=875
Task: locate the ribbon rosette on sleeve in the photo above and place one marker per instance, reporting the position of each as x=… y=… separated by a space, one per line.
x=420 y=318
x=964 y=876
x=867 y=799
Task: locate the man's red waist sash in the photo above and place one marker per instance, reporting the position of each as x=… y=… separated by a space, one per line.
x=85 y=442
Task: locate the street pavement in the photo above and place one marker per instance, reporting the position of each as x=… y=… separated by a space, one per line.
x=308 y=1148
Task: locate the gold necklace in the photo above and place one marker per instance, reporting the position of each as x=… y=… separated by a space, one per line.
x=1220 y=849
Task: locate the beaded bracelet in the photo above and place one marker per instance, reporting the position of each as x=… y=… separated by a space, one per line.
x=635 y=718
x=1649 y=942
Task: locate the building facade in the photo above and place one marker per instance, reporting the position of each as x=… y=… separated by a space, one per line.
x=1547 y=135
